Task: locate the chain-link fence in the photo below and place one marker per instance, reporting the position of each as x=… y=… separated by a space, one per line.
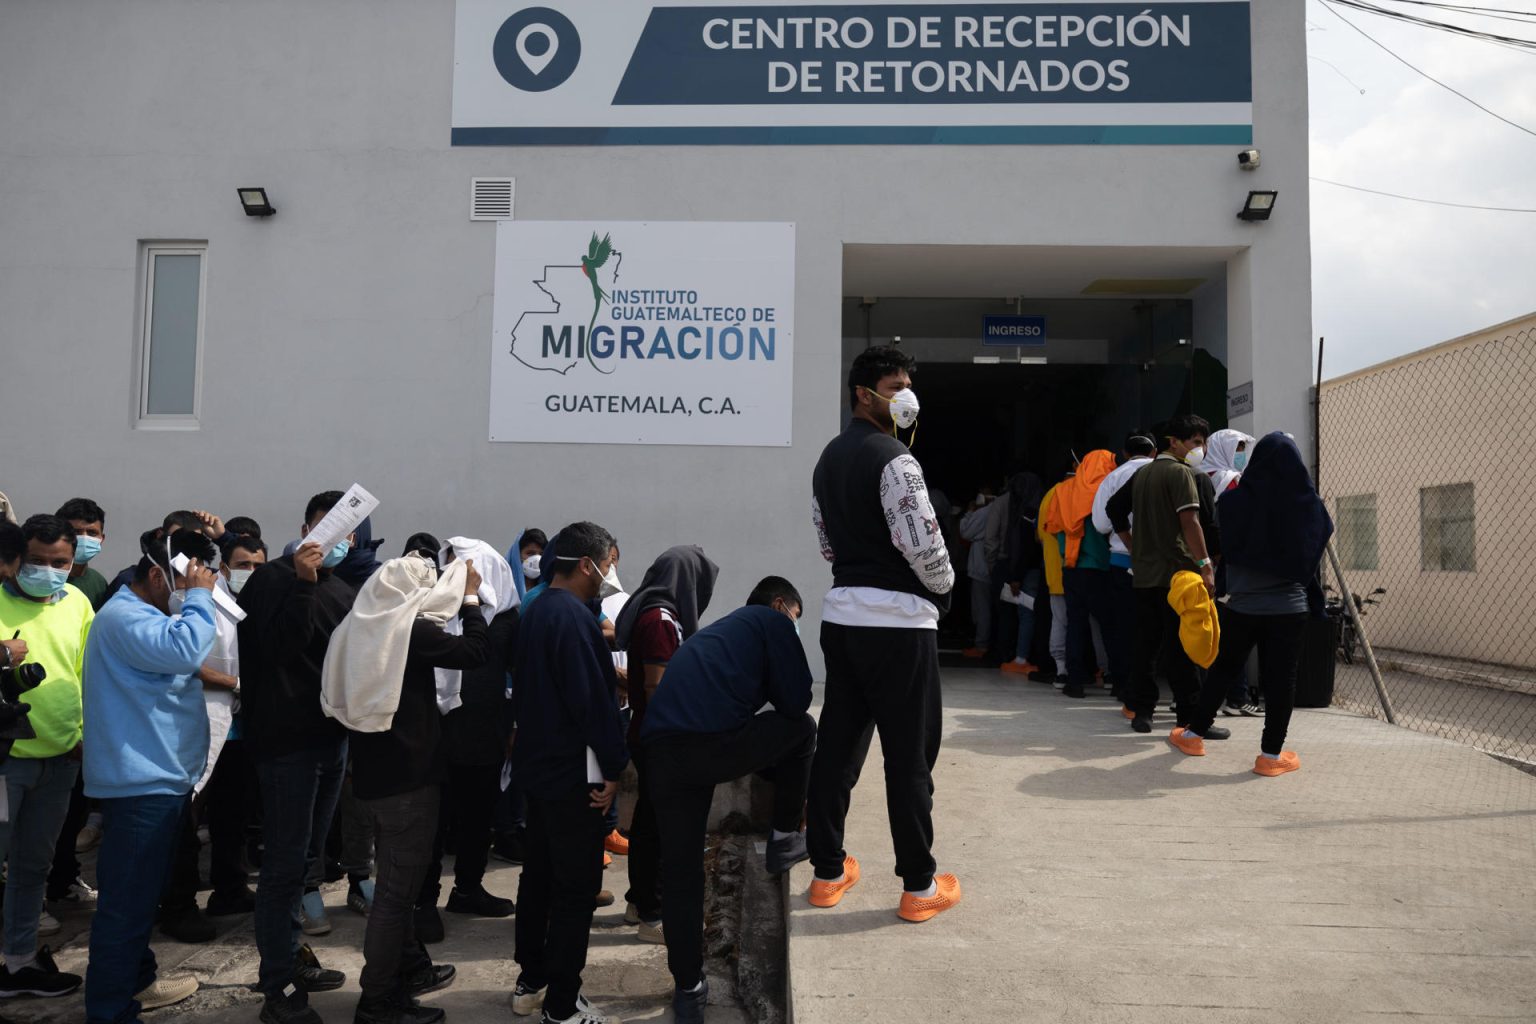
x=1426 y=466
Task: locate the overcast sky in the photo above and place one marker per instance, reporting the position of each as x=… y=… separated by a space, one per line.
x=1389 y=276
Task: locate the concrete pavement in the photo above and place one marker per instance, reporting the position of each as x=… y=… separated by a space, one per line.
x=1108 y=878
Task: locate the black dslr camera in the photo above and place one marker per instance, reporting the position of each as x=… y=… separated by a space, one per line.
x=14 y=681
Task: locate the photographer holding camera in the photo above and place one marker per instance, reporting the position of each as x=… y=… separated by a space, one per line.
x=39 y=607
x=13 y=714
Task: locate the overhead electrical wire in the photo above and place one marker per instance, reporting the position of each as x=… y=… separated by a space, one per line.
x=1492 y=13
x=1394 y=55
x=1519 y=42
x=1421 y=199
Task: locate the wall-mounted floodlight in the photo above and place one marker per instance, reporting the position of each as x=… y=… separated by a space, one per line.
x=1259 y=206
x=256 y=203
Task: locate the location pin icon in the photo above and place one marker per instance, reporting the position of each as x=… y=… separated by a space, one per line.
x=537 y=62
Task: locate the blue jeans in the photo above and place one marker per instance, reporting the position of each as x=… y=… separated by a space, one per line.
x=38 y=791
x=138 y=840
x=1027 y=591
x=299 y=791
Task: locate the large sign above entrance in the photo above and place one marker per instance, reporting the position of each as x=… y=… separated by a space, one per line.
x=640 y=333
x=613 y=72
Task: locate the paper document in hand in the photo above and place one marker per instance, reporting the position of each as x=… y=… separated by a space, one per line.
x=222 y=601
x=594 y=770
x=1022 y=599
x=355 y=506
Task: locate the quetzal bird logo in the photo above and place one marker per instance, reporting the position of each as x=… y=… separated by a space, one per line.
x=597 y=255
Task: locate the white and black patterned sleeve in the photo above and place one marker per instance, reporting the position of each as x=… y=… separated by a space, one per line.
x=821 y=530
x=914 y=526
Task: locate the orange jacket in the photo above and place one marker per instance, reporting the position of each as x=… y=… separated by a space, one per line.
x=1074 y=500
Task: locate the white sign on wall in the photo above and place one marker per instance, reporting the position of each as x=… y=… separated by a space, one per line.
x=897 y=72
x=643 y=333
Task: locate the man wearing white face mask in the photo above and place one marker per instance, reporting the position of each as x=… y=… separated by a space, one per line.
x=293 y=604
x=145 y=748
x=891 y=581
x=53 y=618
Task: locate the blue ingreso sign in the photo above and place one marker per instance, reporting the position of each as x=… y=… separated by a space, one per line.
x=1013 y=330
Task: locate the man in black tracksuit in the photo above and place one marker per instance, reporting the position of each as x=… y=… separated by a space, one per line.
x=891 y=583
x=293 y=604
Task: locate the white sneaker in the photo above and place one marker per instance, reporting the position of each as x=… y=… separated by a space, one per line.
x=80 y=893
x=585 y=1013
x=631 y=914
x=167 y=991
x=526 y=1001
x=90 y=836
x=650 y=931
x=47 y=924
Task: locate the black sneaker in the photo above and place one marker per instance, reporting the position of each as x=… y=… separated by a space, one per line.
x=785 y=853
x=187 y=924
x=1042 y=677
x=311 y=977
x=289 y=1009
x=1217 y=732
x=430 y=978
x=688 y=1006
x=429 y=924
x=42 y=978
x=235 y=901
x=1142 y=723
x=509 y=847
x=479 y=903
x=1074 y=690
x=392 y=1009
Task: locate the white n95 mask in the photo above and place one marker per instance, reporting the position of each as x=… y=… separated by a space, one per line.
x=904 y=408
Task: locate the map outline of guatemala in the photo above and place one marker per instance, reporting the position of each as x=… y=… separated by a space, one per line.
x=581 y=286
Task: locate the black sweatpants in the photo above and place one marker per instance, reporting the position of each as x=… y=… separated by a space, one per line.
x=1278 y=638
x=557 y=893
x=644 y=847
x=469 y=804
x=682 y=772
x=886 y=679
x=1157 y=647
x=230 y=794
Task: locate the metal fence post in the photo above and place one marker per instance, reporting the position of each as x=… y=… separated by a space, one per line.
x=1365 y=641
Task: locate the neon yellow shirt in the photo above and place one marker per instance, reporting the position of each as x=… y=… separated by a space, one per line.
x=55 y=635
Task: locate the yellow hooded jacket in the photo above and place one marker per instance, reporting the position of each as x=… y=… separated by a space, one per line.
x=1199 y=631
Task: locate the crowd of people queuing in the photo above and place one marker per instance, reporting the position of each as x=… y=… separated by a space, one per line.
x=1107 y=576
x=359 y=718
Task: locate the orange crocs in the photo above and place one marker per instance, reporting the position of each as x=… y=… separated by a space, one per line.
x=1018 y=668
x=1127 y=712
x=920 y=908
x=827 y=894
x=615 y=842
x=1269 y=766
x=1192 y=745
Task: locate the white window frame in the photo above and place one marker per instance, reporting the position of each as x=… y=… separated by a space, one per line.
x=170 y=421
x=1348 y=542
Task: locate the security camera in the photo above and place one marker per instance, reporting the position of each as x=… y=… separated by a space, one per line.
x=1248 y=159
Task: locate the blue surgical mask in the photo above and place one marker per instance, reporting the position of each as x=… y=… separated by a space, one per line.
x=86 y=548
x=40 y=580
x=333 y=557
x=797 y=626
x=1240 y=461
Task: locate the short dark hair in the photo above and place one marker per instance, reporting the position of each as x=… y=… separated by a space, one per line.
x=13 y=543
x=533 y=535
x=1139 y=443
x=245 y=542
x=578 y=541
x=182 y=519
x=322 y=502
x=47 y=529
x=1187 y=426
x=771 y=588
x=182 y=542
x=243 y=526
x=82 y=510
x=873 y=364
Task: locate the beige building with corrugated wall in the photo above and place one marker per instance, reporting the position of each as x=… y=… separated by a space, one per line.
x=1426 y=466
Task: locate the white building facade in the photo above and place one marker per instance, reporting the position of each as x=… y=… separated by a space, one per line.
x=164 y=349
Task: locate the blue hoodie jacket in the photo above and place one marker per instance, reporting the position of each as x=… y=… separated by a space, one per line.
x=146 y=727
